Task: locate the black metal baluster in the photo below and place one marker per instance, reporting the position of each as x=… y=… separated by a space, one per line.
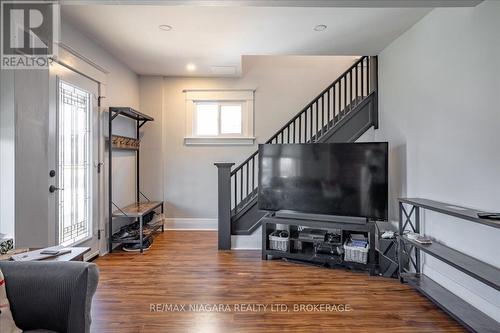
x=327 y=125
x=362 y=79
x=247 y=179
x=241 y=184
x=235 y=193
x=350 y=89
x=340 y=99
x=367 y=76
x=334 y=106
x=295 y=131
x=300 y=128
x=253 y=173
x=305 y=126
x=345 y=93
x=317 y=120
x=311 y=125
x=322 y=114
x=357 y=82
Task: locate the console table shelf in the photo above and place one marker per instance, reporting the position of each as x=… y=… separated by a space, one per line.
x=409 y=220
x=450 y=209
x=467 y=315
x=484 y=272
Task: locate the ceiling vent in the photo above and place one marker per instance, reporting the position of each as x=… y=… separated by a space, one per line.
x=223 y=70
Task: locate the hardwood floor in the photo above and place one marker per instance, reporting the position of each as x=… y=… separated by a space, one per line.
x=184 y=267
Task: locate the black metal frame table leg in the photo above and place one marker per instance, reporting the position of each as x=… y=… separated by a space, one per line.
x=373 y=255
x=163 y=218
x=141 y=235
x=400 y=244
x=402 y=250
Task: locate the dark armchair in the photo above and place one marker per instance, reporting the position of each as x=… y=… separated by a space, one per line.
x=51 y=296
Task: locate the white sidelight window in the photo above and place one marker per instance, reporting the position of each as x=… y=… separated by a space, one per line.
x=74 y=164
x=219 y=117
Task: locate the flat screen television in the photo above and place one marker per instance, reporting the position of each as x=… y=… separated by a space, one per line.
x=345 y=179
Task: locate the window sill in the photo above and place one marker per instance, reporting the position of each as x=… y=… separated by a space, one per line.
x=219 y=141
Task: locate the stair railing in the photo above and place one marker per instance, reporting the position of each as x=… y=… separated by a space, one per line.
x=308 y=126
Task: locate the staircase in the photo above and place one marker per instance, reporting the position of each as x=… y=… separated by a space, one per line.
x=342 y=112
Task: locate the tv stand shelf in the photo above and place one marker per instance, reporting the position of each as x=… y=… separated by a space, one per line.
x=409 y=220
x=270 y=222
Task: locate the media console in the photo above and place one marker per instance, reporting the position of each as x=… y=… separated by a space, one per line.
x=309 y=248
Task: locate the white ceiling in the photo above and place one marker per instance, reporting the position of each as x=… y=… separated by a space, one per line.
x=221 y=35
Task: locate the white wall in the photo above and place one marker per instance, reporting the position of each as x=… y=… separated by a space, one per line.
x=439 y=84
x=283 y=86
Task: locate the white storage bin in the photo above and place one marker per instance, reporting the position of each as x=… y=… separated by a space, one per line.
x=356 y=254
x=278 y=243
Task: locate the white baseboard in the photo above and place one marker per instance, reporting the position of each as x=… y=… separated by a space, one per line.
x=90 y=256
x=250 y=242
x=174 y=223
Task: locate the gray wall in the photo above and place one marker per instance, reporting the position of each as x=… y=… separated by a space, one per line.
x=31 y=90
x=152 y=137
x=439 y=84
x=23 y=151
x=122 y=89
x=7 y=153
x=24 y=142
x=283 y=86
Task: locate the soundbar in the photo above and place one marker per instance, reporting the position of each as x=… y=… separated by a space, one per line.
x=320 y=217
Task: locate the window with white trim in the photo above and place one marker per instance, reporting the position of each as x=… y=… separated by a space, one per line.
x=219 y=117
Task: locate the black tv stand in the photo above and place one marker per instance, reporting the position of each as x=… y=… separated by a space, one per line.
x=293 y=221
x=319 y=217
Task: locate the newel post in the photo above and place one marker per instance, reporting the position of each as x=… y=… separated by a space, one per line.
x=224 y=205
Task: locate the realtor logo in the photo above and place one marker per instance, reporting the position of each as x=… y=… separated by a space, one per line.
x=29 y=33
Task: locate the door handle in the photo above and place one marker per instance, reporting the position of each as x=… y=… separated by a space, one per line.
x=52 y=189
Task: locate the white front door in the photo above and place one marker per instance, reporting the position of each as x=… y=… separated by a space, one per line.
x=73 y=194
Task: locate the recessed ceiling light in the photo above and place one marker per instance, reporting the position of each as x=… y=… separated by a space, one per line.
x=165 y=27
x=320 y=27
x=191 y=67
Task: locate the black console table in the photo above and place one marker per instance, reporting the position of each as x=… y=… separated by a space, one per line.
x=409 y=220
x=269 y=225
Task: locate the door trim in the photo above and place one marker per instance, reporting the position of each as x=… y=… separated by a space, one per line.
x=98 y=74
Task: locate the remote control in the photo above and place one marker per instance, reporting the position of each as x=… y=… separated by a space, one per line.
x=491 y=216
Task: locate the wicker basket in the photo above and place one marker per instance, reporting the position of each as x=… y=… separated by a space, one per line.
x=278 y=243
x=356 y=254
